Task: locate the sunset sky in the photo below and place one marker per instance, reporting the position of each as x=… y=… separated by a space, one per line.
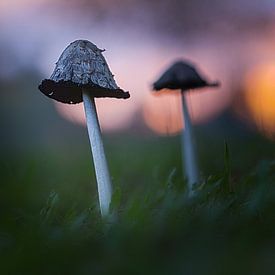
x=141 y=41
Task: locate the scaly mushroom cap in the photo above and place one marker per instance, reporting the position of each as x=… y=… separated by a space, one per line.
x=81 y=65
x=182 y=75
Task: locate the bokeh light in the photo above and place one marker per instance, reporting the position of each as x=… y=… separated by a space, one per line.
x=259 y=97
x=113 y=114
x=162 y=111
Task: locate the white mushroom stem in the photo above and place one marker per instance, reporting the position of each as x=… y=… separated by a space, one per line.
x=188 y=148
x=104 y=185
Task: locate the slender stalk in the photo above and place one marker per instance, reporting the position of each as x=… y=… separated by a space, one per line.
x=188 y=148
x=104 y=184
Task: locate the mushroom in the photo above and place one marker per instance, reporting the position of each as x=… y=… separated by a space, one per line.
x=82 y=74
x=183 y=76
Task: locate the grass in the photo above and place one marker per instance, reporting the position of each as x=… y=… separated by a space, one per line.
x=50 y=221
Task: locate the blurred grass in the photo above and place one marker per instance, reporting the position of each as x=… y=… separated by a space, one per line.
x=50 y=221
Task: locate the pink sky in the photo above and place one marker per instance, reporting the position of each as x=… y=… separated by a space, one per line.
x=135 y=57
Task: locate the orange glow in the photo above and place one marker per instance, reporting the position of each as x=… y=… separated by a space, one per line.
x=162 y=111
x=260 y=97
x=113 y=114
x=118 y=114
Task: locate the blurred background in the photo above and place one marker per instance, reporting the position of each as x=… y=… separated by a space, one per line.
x=44 y=144
x=229 y=41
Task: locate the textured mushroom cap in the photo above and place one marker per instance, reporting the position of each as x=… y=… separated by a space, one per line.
x=182 y=75
x=81 y=65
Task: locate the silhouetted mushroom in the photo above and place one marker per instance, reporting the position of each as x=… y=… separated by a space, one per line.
x=183 y=76
x=81 y=74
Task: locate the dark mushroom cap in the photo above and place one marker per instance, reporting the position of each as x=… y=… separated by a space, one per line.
x=182 y=75
x=81 y=65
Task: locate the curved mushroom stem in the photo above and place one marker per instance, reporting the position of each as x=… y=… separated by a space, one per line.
x=188 y=149
x=100 y=163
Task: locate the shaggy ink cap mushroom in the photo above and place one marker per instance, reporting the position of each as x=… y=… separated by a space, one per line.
x=182 y=75
x=81 y=66
x=81 y=74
